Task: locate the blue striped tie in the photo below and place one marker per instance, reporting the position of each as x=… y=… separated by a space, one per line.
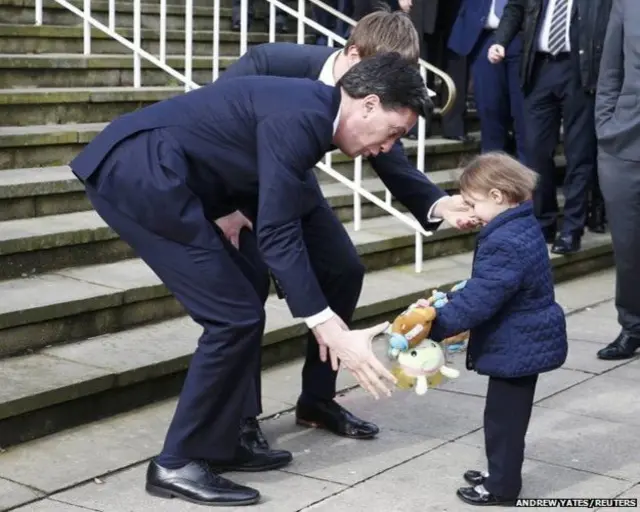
x=557 y=31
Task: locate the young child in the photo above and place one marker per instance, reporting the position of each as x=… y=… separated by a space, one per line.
x=517 y=329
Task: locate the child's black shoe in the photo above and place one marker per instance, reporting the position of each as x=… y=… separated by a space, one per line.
x=478 y=495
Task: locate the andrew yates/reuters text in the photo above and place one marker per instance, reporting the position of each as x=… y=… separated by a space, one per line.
x=579 y=502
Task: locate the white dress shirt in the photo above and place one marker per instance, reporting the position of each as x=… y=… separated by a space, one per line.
x=492 y=19
x=543 y=40
x=326 y=77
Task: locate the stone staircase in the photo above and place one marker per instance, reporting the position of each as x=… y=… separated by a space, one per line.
x=86 y=329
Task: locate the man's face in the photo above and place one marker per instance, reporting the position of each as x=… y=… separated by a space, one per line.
x=368 y=129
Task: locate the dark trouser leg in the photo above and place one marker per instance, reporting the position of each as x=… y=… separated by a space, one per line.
x=207 y=420
x=516 y=98
x=491 y=88
x=506 y=418
x=340 y=274
x=620 y=183
x=542 y=117
x=235 y=13
x=457 y=68
x=580 y=150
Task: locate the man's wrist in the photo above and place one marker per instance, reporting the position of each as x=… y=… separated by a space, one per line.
x=319 y=318
x=431 y=215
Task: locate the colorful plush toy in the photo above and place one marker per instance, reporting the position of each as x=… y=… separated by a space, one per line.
x=422 y=367
x=438 y=299
x=410 y=328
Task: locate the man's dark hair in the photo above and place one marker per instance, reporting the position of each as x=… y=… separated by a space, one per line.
x=395 y=80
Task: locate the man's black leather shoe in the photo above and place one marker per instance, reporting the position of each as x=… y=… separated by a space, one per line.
x=566 y=244
x=472 y=497
x=253 y=452
x=197 y=483
x=474 y=477
x=623 y=347
x=331 y=416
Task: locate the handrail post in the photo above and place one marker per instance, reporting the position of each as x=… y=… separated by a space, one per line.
x=244 y=25
x=302 y=12
x=357 y=199
x=163 y=30
x=216 y=40
x=420 y=164
x=137 y=42
x=86 y=28
x=39 y=15
x=188 y=42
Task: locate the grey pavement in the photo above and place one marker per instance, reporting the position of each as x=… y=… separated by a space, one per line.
x=582 y=442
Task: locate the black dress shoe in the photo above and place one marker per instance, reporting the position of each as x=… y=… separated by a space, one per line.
x=197 y=483
x=334 y=418
x=472 y=497
x=566 y=244
x=474 y=477
x=623 y=347
x=253 y=452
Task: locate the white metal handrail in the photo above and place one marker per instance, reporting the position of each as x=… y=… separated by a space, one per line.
x=186 y=78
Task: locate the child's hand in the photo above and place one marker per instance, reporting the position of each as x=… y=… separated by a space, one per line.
x=423 y=303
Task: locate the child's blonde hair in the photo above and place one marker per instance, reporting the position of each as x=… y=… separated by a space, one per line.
x=502 y=172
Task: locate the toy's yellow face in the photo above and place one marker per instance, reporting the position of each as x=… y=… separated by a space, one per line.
x=422 y=360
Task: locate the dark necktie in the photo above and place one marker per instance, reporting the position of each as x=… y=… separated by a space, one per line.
x=557 y=31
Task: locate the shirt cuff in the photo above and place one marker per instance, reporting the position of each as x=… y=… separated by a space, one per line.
x=430 y=217
x=319 y=318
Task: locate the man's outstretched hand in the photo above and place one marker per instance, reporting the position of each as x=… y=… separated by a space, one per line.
x=355 y=352
x=456 y=212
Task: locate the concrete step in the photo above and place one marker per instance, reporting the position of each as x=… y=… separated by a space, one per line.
x=63 y=105
x=52 y=145
x=31 y=39
x=112 y=293
x=73 y=70
x=38 y=192
x=42 y=191
x=22 y=12
x=66 y=385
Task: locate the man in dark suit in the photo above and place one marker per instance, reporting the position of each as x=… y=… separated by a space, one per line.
x=618 y=130
x=379 y=31
x=496 y=87
x=434 y=20
x=157 y=176
x=551 y=80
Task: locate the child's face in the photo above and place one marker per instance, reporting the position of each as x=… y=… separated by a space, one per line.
x=486 y=207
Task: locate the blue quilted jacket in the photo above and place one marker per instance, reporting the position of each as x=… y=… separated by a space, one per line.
x=517 y=328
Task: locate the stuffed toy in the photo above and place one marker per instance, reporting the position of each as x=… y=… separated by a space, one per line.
x=410 y=328
x=422 y=367
x=438 y=299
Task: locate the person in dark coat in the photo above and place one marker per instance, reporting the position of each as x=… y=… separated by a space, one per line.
x=157 y=176
x=518 y=330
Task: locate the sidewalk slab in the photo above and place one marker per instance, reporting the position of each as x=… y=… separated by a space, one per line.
x=598 y=324
x=13 y=494
x=473 y=384
x=124 y=492
x=605 y=397
x=429 y=482
x=580 y=442
x=582 y=357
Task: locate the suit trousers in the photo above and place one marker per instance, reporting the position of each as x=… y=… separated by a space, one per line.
x=157 y=214
x=620 y=184
x=498 y=96
x=507 y=412
x=556 y=94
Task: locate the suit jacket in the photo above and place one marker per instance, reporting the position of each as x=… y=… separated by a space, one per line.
x=249 y=142
x=468 y=26
x=517 y=327
x=617 y=110
x=405 y=182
